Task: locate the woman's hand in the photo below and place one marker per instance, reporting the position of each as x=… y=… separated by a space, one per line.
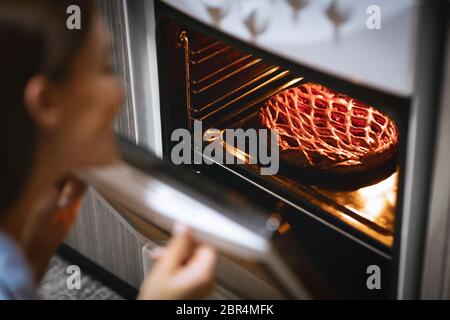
x=54 y=217
x=184 y=270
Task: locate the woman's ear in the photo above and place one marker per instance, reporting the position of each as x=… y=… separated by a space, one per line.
x=41 y=104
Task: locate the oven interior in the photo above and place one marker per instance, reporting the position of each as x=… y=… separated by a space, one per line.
x=224 y=86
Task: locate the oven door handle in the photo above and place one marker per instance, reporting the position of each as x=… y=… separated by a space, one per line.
x=164 y=205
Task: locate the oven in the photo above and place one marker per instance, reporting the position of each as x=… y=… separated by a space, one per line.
x=223 y=85
x=299 y=234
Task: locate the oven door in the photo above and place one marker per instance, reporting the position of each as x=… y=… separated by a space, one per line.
x=163 y=194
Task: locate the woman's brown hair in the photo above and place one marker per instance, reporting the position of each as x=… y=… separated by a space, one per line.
x=34 y=40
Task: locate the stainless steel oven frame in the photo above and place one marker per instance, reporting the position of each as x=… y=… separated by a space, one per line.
x=421 y=255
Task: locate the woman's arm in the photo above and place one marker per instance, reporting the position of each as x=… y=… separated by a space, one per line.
x=184 y=271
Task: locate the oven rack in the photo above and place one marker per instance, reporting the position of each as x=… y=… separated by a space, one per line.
x=222 y=82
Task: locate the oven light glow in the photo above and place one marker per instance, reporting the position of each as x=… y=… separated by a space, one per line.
x=350 y=219
x=376 y=198
x=237 y=153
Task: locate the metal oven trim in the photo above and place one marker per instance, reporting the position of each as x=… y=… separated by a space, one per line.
x=436 y=265
x=141 y=35
x=420 y=149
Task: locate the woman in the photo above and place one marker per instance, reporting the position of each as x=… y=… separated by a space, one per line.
x=58 y=100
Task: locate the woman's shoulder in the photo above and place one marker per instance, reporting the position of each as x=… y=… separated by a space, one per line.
x=16 y=281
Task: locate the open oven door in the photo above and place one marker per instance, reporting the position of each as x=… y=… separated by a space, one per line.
x=163 y=194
